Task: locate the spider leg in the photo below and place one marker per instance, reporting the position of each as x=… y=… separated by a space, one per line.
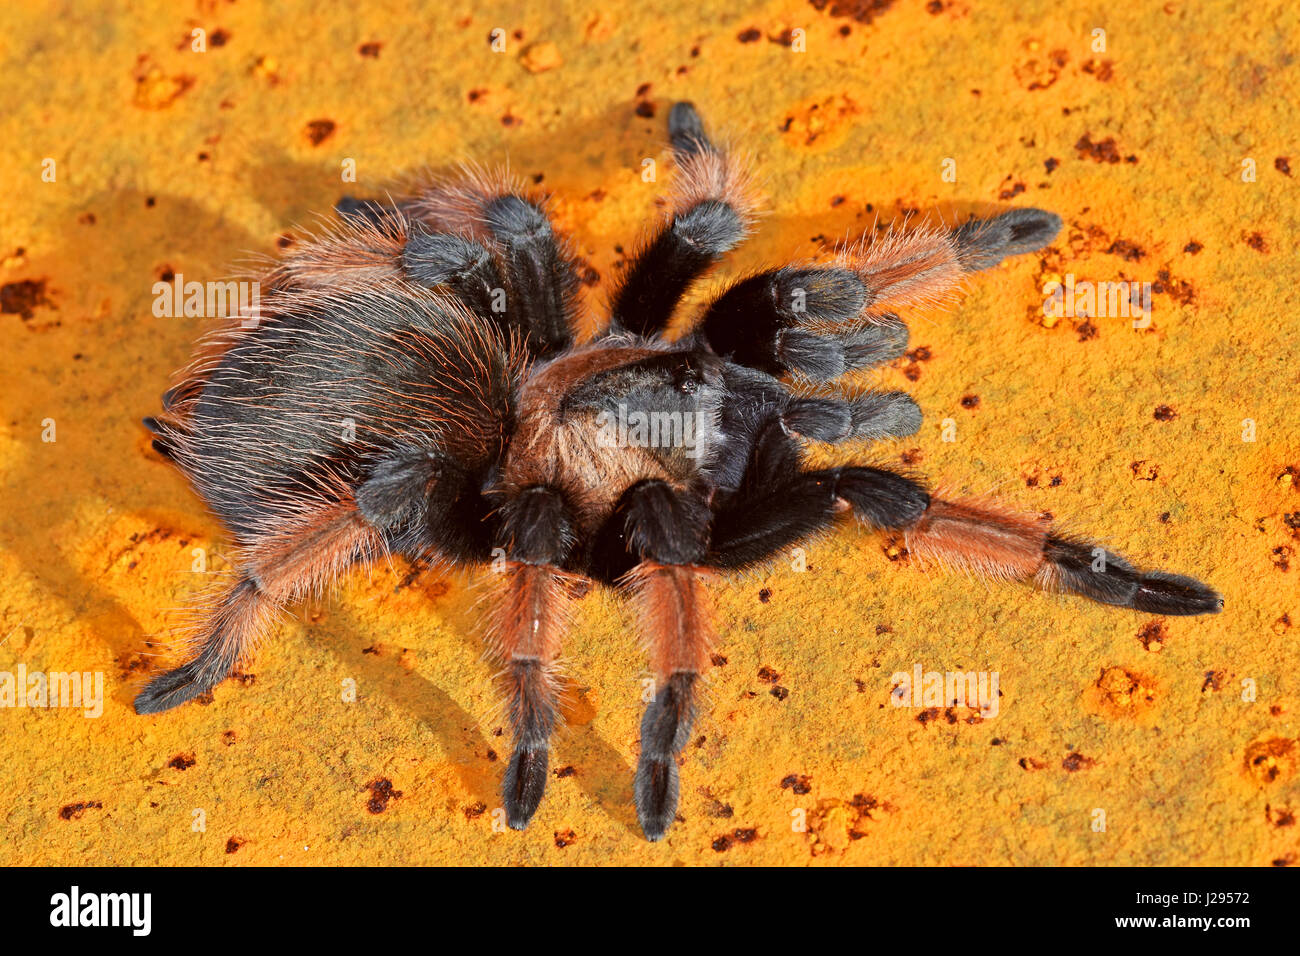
x=427 y=502
x=525 y=631
x=872 y=415
x=277 y=569
x=667 y=531
x=780 y=504
x=541 y=283
x=822 y=322
x=376 y=243
x=712 y=210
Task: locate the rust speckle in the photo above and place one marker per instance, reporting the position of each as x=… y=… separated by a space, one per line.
x=21 y=298
x=797 y=783
x=1270 y=760
x=1152 y=632
x=182 y=762
x=1102 y=152
x=319 y=130
x=863 y=11
x=381 y=792
x=1076 y=761
x=73 y=811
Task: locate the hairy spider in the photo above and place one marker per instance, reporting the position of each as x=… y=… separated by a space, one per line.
x=411 y=385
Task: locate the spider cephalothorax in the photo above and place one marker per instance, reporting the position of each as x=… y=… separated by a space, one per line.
x=411 y=385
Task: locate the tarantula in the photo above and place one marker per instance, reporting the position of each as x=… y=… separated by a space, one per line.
x=411 y=384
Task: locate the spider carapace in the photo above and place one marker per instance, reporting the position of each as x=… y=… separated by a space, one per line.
x=411 y=384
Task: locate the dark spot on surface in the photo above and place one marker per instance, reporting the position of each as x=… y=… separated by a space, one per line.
x=719 y=810
x=722 y=844
x=219 y=38
x=370 y=49
x=863 y=11
x=645 y=109
x=912 y=456
x=797 y=783
x=475 y=95
x=1103 y=152
x=1126 y=250
x=73 y=811
x=1050 y=163
x=1213 y=681
x=509 y=121
x=149 y=202
x=1282 y=557
x=1283 y=165
x=1143 y=470
x=1152 y=632
x=381 y=792
x=1164 y=413
x=475 y=810
x=1164 y=517
x=1193 y=247
x=745 y=834
x=563 y=772
x=1281 y=817
x=182 y=762
x=320 y=130
x=779 y=692
x=1256 y=241
x=233 y=844
x=565 y=838
x=1029 y=763
x=1076 y=762
x=285 y=240
x=921 y=353
x=1010 y=193
x=934 y=7
x=927 y=715
x=995 y=742
x=768 y=675
x=752 y=35
x=1103 y=70
x=718 y=660
x=765 y=595
x=492 y=756
x=22 y=297
x=228 y=738
x=643 y=89
x=970 y=401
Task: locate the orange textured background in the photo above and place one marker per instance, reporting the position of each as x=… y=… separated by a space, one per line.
x=174 y=161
